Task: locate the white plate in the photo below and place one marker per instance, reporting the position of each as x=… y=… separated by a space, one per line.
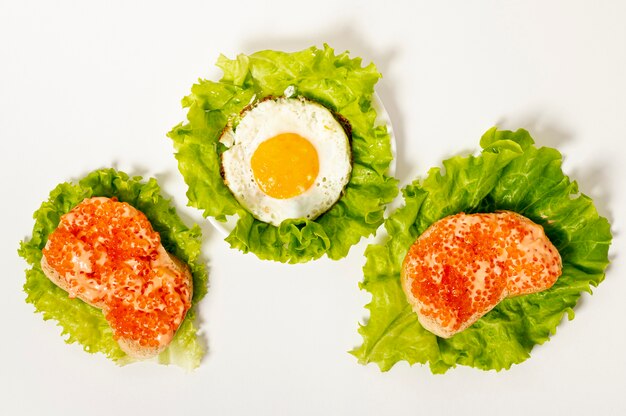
x=382 y=118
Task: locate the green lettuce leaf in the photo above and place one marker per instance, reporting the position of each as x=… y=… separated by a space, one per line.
x=83 y=323
x=510 y=174
x=340 y=83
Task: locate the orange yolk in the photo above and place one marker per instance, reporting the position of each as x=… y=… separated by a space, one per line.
x=285 y=165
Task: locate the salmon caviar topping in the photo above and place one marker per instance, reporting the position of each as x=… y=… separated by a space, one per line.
x=106 y=253
x=464 y=265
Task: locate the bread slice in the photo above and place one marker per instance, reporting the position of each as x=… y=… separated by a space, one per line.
x=105 y=253
x=462 y=266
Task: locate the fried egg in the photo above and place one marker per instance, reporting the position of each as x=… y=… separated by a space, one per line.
x=287 y=158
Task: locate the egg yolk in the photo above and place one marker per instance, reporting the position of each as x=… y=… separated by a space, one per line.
x=285 y=165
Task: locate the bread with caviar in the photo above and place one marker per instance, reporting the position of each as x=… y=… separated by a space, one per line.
x=463 y=265
x=106 y=253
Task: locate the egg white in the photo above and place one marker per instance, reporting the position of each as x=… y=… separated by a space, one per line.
x=270 y=118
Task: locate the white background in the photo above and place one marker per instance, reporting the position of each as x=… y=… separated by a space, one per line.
x=85 y=85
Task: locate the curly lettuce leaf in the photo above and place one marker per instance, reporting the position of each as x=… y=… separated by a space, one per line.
x=84 y=324
x=510 y=174
x=337 y=81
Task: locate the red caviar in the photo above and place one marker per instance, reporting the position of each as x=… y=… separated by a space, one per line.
x=109 y=256
x=464 y=265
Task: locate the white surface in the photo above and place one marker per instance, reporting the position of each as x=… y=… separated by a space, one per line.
x=86 y=85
